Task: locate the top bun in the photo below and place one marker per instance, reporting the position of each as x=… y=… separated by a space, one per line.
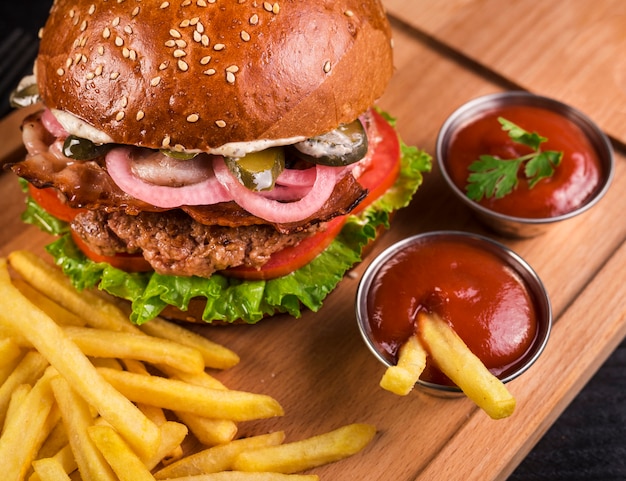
x=197 y=74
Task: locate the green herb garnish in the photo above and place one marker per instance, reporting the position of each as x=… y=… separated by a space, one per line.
x=492 y=176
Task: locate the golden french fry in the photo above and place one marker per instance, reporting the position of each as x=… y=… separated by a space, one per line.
x=50 y=469
x=215 y=355
x=308 y=453
x=26 y=429
x=208 y=431
x=9 y=351
x=124 y=345
x=77 y=418
x=172 y=436
x=55 y=441
x=245 y=476
x=464 y=368
x=401 y=378
x=118 y=454
x=217 y=458
x=65 y=458
x=180 y=396
x=50 y=340
x=50 y=281
x=27 y=371
x=54 y=310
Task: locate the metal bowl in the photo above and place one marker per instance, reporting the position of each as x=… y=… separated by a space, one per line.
x=534 y=286
x=519 y=226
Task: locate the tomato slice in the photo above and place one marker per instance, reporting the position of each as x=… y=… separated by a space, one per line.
x=378 y=178
x=49 y=200
x=125 y=262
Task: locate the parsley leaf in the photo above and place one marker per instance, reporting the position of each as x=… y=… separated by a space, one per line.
x=492 y=176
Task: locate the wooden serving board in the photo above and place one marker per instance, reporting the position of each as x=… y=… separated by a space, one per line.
x=571 y=50
x=323 y=374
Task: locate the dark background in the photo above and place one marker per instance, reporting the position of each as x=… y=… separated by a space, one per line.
x=588 y=442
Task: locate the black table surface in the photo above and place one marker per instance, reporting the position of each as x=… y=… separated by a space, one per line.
x=587 y=442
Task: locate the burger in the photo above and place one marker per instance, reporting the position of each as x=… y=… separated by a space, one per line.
x=212 y=160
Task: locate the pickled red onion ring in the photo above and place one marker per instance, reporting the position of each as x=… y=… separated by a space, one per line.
x=275 y=211
x=297 y=178
x=52 y=125
x=208 y=191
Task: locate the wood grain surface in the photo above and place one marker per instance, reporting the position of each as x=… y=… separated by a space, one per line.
x=318 y=367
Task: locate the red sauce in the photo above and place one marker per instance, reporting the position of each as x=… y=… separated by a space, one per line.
x=483 y=298
x=574 y=182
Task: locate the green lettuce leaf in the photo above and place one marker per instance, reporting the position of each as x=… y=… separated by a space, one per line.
x=229 y=299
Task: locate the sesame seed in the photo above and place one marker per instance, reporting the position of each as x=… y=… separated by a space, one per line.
x=90 y=76
x=40 y=33
x=128 y=29
x=267 y=6
x=220 y=123
x=60 y=72
x=114 y=75
x=232 y=69
x=100 y=49
x=119 y=116
x=155 y=81
x=201 y=3
x=193 y=118
x=186 y=3
x=164 y=65
x=98 y=70
x=327 y=66
x=209 y=72
x=178 y=53
x=83 y=58
x=219 y=46
x=180 y=43
x=72 y=13
x=254 y=19
x=230 y=77
x=92 y=9
x=175 y=33
x=245 y=36
x=200 y=27
x=170 y=43
x=83 y=26
x=133 y=54
x=197 y=36
x=275 y=8
x=205 y=60
x=205 y=40
x=125 y=52
x=166 y=141
x=140 y=115
x=124 y=102
x=68 y=62
x=183 y=65
x=116 y=21
x=194 y=21
x=184 y=23
x=179 y=148
x=76 y=58
x=119 y=41
x=106 y=33
x=135 y=11
x=348 y=13
x=165 y=5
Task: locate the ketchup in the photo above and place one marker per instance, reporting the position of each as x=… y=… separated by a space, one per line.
x=477 y=293
x=574 y=181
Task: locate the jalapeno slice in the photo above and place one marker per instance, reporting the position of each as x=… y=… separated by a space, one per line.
x=258 y=170
x=343 y=146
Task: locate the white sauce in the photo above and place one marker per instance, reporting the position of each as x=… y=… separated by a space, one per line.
x=80 y=128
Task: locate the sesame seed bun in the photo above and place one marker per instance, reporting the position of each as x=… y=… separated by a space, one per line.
x=197 y=74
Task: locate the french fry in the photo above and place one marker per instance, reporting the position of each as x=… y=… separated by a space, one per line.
x=215 y=355
x=50 y=340
x=65 y=458
x=53 y=309
x=27 y=371
x=77 y=418
x=118 y=454
x=401 y=378
x=218 y=458
x=50 y=469
x=51 y=282
x=245 y=476
x=26 y=429
x=9 y=351
x=55 y=441
x=308 y=453
x=465 y=369
x=180 y=396
x=172 y=436
x=124 y=345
